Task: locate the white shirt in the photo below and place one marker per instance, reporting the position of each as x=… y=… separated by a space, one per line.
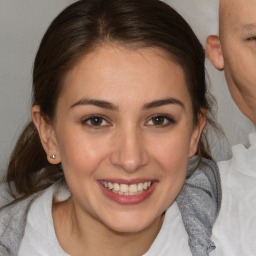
x=235 y=229
x=40 y=237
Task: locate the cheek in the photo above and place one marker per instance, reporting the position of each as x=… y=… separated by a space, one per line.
x=241 y=74
x=246 y=72
x=172 y=153
x=172 y=158
x=240 y=61
x=81 y=154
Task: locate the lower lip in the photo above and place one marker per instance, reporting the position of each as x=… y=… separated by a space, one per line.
x=128 y=200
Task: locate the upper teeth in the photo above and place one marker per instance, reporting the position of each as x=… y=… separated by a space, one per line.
x=125 y=189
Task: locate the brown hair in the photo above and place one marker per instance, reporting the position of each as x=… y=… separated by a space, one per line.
x=76 y=31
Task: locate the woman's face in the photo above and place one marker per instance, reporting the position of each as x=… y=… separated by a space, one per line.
x=124 y=132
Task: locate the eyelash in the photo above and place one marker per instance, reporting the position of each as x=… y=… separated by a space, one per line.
x=250 y=39
x=165 y=118
x=88 y=121
x=165 y=121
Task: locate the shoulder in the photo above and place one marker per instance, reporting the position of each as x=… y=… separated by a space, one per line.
x=237 y=219
x=5 y=196
x=39 y=231
x=13 y=220
x=241 y=168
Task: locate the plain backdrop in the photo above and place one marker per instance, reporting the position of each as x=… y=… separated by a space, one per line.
x=22 y=24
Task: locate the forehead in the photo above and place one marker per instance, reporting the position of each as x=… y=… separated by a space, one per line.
x=237 y=14
x=110 y=70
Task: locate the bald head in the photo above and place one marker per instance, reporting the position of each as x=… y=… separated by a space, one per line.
x=239 y=16
x=235 y=51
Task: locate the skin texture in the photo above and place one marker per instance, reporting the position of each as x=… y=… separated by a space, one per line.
x=129 y=144
x=235 y=52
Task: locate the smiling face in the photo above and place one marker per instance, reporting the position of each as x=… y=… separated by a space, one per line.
x=124 y=132
x=237 y=52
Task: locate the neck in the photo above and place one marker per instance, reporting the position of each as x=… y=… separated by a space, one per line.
x=81 y=234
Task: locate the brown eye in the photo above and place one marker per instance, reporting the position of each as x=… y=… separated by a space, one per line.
x=160 y=121
x=95 y=121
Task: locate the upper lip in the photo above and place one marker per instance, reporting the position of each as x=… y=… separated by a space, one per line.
x=128 y=182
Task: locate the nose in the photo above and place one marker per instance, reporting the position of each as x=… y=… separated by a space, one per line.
x=130 y=152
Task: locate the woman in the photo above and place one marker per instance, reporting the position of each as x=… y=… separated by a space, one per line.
x=119 y=107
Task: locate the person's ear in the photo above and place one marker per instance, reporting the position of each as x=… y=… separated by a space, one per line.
x=214 y=52
x=198 y=129
x=47 y=135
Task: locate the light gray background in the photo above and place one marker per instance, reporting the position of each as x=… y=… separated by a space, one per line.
x=22 y=24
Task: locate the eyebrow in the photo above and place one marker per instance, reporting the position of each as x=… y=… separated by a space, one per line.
x=249 y=28
x=107 y=105
x=159 y=103
x=97 y=103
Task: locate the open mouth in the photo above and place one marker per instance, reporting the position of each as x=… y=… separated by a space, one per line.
x=125 y=189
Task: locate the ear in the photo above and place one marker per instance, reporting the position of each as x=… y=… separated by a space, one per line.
x=197 y=132
x=47 y=135
x=214 y=52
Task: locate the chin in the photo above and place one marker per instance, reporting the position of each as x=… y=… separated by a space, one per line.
x=131 y=224
x=127 y=229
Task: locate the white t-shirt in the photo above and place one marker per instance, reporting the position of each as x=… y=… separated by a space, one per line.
x=40 y=238
x=235 y=229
